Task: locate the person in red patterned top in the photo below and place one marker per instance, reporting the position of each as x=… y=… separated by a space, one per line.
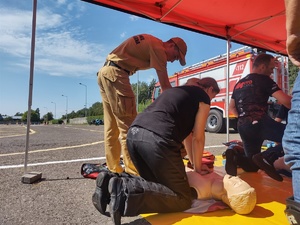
x=249 y=102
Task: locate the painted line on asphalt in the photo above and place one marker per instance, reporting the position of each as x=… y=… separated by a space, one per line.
x=32 y=132
x=51 y=162
x=52 y=149
x=214 y=146
x=77 y=128
x=77 y=146
x=17 y=135
x=67 y=161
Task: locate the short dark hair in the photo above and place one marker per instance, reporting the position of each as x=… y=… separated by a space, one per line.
x=264 y=59
x=207 y=82
x=203 y=83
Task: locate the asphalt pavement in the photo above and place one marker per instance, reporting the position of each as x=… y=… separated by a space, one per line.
x=62 y=196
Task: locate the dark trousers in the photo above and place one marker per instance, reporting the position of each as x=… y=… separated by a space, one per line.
x=162 y=186
x=253 y=133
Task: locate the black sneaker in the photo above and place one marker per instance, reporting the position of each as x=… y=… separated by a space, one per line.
x=101 y=195
x=264 y=165
x=231 y=162
x=292 y=211
x=117 y=201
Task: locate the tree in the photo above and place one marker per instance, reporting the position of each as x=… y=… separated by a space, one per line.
x=144 y=91
x=72 y=115
x=96 y=109
x=9 y=118
x=47 y=117
x=151 y=87
x=35 y=117
x=81 y=113
x=37 y=111
x=144 y=99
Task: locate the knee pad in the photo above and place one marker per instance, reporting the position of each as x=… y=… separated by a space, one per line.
x=292 y=211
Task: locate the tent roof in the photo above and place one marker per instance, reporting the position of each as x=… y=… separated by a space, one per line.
x=257 y=23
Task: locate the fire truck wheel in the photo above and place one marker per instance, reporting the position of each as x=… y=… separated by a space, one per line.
x=215 y=122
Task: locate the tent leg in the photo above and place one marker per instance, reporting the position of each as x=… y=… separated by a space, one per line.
x=227 y=84
x=34 y=176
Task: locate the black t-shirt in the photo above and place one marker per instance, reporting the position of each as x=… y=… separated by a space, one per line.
x=172 y=114
x=251 y=96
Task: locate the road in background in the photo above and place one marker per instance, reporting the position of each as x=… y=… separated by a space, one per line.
x=63 y=196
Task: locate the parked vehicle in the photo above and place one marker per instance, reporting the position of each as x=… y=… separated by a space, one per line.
x=240 y=64
x=97 y=122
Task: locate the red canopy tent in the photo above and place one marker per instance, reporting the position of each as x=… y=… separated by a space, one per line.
x=257 y=23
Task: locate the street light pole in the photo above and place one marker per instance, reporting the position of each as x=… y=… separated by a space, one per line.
x=46 y=117
x=85 y=106
x=66 y=108
x=54 y=109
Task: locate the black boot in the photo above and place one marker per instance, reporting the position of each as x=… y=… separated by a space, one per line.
x=231 y=161
x=266 y=166
x=101 y=196
x=118 y=198
x=292 y=211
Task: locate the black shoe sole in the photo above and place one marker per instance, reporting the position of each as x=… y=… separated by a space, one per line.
x=231 y=162
x=101 y=196
x=292 y=211
x=270 y=170
x=116 y=205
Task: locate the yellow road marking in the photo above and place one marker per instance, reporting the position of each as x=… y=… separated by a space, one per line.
x=16 y=135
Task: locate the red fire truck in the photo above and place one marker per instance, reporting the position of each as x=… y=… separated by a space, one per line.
x=240 y=64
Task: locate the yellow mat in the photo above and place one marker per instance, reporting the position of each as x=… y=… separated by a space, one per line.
x=269 y=209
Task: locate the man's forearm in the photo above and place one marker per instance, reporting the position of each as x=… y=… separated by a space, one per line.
x=292 y=16
x=293 y=30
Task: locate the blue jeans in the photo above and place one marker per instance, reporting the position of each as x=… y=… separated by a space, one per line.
x=291 y=139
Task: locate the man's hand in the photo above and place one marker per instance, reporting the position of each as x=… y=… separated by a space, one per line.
x=205 y=170
x=293 y=48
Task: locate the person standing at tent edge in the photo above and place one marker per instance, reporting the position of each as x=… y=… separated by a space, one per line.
x=139 y=52
x=291 y=141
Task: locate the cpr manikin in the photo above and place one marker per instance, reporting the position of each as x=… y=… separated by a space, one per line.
x=232 y=190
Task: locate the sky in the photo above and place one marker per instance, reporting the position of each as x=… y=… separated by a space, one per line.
x=72 y=41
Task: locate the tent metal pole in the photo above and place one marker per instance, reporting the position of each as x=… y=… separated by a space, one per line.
x=30 y=82
x=227 y=83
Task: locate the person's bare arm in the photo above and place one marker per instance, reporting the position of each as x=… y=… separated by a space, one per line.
x=198 y=139
x=232 y=107
x=283 y=98
x=293 y=30
x=188 y=147
x=163 y=80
